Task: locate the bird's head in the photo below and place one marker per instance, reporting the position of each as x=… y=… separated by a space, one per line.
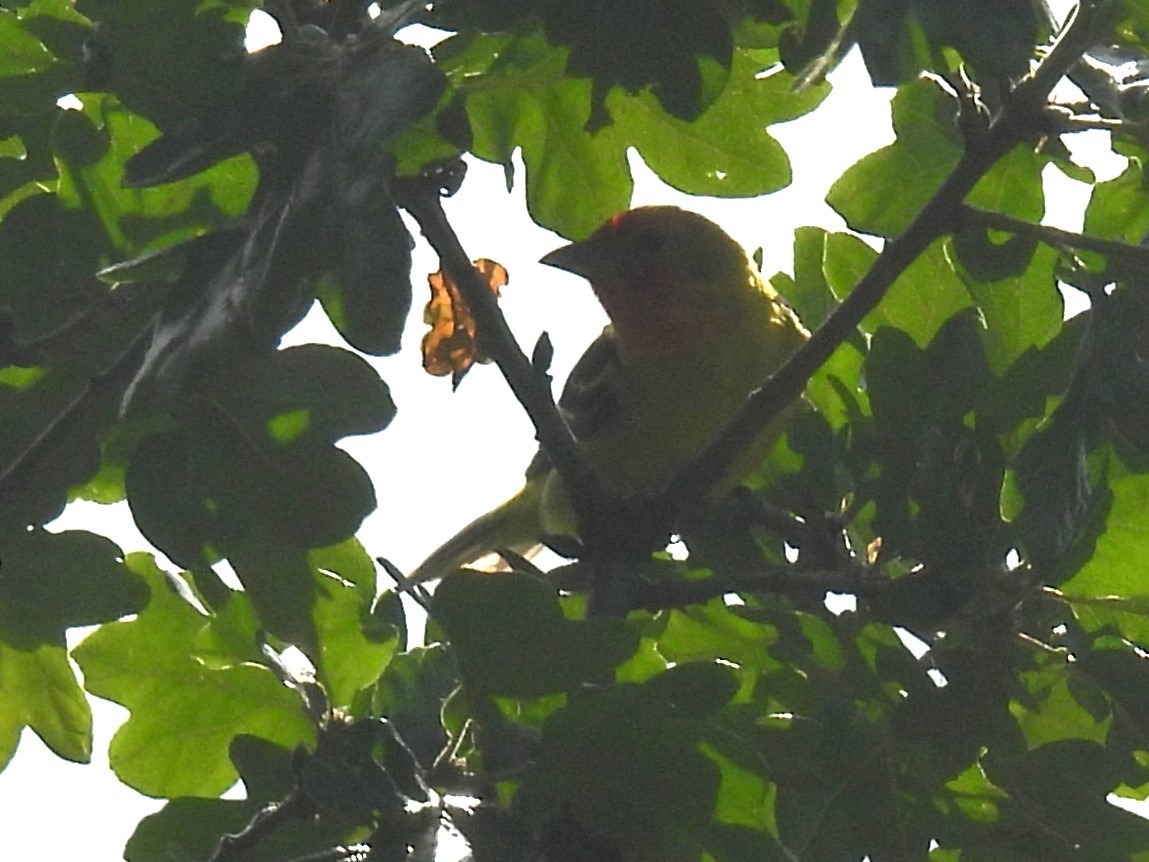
x=667 y=277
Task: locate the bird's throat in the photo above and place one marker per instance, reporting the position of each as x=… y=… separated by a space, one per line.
x=660 y=325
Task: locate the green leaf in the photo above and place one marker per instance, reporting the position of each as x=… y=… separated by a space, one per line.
x=697 y=689
x=164 y=61
x=197 y=489
x=1119 y=208
x=55 y=423
x=1069 y=455
x=939 y=478
x=1021 y=312
x=204 y=489
x=830 y=805
x=92 y=146
x=50 y=253
x=845 y=261
x=367 y=293
x=38 y=689
x=1073 y=814
x=715 y=632
x=1013 y=184
x=350 y=562
x=1066 y=499
x=26 y=166
x=232 y=635
x=31 y=78
x=890 y=40
x=808 y=292
x=994 y=54
x=944 y=729
x=1028 y=388
x=684 y=57
x=885 y=191
x=623 y=763
x=62 y=29
x=517 y=96
x=720 y=153
x=184 y=715
x=222 y=306
x=1123 y=673
x=411 y=693
x=190 y=828
x=826 y=268
x=54 y=581
x=20 y=52
x=1113 y=568
x=927 y=294
x=1052 y=712
x=307 y=393
x=350 y=659
x=511 y=638
x=682 y=53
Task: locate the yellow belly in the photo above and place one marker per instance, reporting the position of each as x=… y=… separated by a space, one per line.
x=670 y=408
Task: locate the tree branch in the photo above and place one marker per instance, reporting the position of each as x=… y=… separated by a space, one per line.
x=233 y=847
x=421 y=198
x=662 y=595
x=354 y=853
x=1055 y=237
x=1018 y=117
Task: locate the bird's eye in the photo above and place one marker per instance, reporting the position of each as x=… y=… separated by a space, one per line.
x=649 y=241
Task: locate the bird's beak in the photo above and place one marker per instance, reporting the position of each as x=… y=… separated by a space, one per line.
x=582 y=258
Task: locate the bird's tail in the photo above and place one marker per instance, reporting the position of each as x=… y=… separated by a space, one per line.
x=514 y=526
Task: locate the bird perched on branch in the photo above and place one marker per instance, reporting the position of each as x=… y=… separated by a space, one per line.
x=693 y=330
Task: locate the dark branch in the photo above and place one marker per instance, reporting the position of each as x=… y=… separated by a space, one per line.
x=661 y=595
x=421 y=198
x=233 y=847
x=417 y=592
x=1055 y=237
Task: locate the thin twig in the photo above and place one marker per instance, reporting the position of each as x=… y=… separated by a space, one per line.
x=417 y=592
x=233 y=847
x=111 y=379
x=938 y=217
x=781 y=523
x=354 y=853
x=1055 y=237
x=1070 y=125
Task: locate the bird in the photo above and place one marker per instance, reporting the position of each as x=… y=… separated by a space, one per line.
x=693 y=330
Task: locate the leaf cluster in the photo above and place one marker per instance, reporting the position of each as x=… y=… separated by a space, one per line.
x=968 y=469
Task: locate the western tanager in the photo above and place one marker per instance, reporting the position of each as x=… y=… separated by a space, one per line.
x=693 y=330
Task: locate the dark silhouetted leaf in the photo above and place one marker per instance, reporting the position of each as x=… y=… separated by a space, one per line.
x=511 y=638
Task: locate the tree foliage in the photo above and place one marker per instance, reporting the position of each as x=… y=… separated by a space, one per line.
x=970 y=467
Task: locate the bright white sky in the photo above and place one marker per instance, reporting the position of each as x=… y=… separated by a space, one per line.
x=478 y=434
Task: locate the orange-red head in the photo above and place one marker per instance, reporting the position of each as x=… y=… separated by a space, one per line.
x=668 y=278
